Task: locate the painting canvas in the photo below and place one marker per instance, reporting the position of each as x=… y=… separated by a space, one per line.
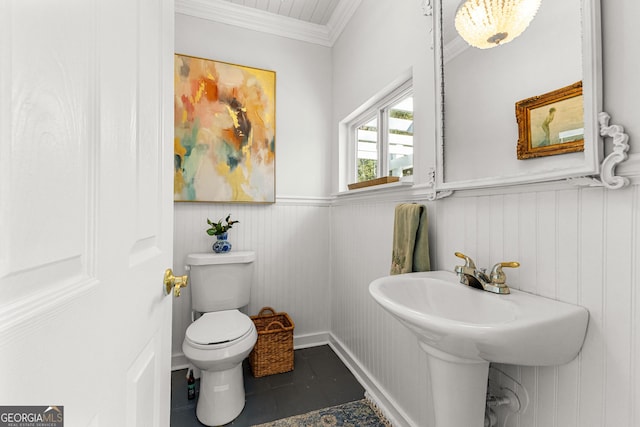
x=224 y=141
x=552 y=123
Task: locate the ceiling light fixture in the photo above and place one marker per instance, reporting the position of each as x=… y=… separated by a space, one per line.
x=488 y=23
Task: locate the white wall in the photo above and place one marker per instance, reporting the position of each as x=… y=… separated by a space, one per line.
x=384 y=41
x=303 y=88
x=386 y=350
x=291 y=237
x=576 y=245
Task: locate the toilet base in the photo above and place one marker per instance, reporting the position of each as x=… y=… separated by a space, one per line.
x=221 y=396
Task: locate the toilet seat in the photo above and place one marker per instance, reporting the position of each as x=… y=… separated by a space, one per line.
x=219 y=329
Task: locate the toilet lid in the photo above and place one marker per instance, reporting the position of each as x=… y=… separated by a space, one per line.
x=219 y=327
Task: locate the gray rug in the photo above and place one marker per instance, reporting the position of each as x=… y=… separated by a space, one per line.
x=360 y=413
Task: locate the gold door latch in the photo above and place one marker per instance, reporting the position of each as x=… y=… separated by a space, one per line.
x=175 y=282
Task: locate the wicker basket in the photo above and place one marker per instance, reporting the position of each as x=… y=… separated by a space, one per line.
x=273 y=352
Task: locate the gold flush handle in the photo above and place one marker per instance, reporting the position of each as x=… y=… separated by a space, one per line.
x=175 y=282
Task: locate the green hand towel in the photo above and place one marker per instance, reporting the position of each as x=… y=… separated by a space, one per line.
x=410 y=239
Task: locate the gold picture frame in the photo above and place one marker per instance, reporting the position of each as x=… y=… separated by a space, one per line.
x=224 y=132
x=552 y=123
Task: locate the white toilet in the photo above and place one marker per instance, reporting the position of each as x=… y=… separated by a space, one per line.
x=222 y=337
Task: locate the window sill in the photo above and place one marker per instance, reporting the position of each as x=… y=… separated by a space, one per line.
x=372 y=182
x=380 y=188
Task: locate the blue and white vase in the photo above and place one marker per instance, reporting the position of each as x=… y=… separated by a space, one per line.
x=221 y=245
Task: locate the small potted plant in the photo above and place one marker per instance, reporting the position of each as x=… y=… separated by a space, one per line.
x=219 y=229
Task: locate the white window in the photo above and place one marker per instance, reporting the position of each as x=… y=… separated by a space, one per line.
x=381 y=137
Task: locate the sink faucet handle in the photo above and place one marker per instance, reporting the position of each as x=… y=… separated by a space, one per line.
x=468 y=262
x=497 y=275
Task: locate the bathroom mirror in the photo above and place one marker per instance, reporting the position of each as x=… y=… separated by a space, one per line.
x=477 y=90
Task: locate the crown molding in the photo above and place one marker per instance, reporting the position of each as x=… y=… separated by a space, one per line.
x=340 y=18
x=266 y=22
x=454 y=48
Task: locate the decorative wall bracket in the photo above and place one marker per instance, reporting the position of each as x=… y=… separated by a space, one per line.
x=431 y=181
x=607 y=176
x=427 y=10
x=427 y=7
x=619 y=154
x=431 y=177
x=436 y=195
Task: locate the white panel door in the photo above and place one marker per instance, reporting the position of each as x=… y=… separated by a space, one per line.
x=86 y=210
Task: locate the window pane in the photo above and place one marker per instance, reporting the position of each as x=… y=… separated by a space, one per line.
x=400 y=137
x=367 y=150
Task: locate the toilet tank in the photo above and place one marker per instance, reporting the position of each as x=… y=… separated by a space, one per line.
x=220 y=281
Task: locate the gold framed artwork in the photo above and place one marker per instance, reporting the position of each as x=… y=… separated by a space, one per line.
x=552 y=123
x=225 y=129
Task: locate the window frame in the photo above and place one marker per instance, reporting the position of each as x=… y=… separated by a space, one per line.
x=379 y=110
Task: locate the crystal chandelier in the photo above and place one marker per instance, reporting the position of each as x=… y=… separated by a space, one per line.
x=488 y=23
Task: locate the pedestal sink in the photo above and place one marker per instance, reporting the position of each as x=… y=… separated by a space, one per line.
x=463 y=329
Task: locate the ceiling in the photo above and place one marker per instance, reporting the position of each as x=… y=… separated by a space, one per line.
x=312 y=11
x=314 y=21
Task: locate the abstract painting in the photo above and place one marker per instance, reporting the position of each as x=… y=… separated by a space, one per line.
x=225 y=125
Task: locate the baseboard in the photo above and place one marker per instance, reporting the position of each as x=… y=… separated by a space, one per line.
x=374 y=391
x=310 y=340
x=180 y=361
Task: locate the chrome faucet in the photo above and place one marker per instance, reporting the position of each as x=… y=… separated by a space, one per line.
x=477 y=278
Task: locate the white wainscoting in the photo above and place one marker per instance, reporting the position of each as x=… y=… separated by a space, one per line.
x=291 y=239
x=575 y=245
x=382 y=347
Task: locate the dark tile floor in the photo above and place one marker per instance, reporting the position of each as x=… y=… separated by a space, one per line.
x=319 y=380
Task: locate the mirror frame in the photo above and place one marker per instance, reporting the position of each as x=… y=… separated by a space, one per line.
x=592 y=94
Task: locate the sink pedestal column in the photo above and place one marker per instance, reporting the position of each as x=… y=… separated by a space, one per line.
x=459 y=388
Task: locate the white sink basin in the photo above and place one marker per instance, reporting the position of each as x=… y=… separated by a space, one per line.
x=518 y=328
x=462 y=329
